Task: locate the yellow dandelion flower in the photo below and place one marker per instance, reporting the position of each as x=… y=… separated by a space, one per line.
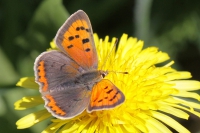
x=151 y=92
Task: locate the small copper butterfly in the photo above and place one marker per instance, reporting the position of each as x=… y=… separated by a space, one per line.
x=68 y=78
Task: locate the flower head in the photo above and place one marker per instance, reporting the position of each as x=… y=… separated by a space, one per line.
x=151 y=92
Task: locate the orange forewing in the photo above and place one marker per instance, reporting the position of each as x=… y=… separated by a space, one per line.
x=79 y=51
x=75 y=38
x=105 y=95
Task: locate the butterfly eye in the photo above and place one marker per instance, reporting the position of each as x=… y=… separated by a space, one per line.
x=104 y=73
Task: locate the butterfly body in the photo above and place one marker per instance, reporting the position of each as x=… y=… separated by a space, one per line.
x=68 y=78
x=90 y=77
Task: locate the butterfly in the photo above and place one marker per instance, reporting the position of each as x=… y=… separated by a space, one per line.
x=68 y=78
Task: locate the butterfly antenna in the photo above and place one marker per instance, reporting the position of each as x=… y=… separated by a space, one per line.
x=110 y=53
x=114 y=46
x=119 y=72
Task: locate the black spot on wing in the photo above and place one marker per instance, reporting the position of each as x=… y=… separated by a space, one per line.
x=77 y=36
x=70 y=46
x=70 y=38
x=108 y=92
x=77 y=28
x=86 y=40
x=114 y=96
x=87 y=50
x=95 y=100
x=100 y=100
x=106 y=87
x=88 y=30
x=82 y=28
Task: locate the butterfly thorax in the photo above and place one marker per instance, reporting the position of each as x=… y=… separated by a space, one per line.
x=91 y=77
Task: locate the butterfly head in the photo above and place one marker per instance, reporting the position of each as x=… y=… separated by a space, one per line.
x=103 y=73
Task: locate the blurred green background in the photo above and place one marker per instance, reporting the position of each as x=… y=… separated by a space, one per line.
x=27 y=27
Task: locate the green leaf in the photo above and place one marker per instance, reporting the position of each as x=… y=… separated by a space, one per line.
x=42 y=28
x=7 y=73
